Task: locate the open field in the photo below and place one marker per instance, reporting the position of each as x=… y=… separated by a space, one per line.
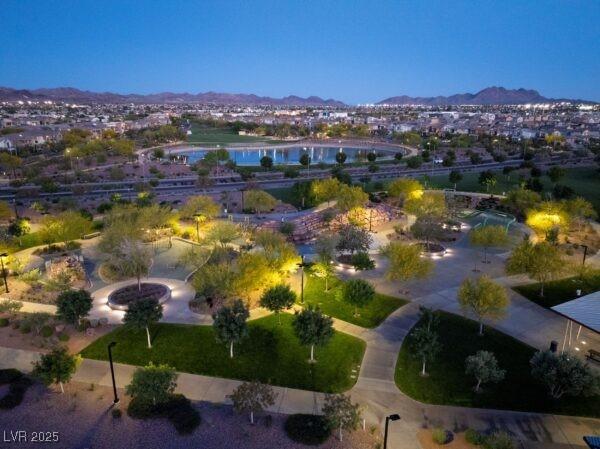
x=448 y=384
x=271 y=353
x=223 y=136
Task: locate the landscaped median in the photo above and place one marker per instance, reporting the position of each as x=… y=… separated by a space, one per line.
x=331 y=303
x=271 y=354
x=448 y=384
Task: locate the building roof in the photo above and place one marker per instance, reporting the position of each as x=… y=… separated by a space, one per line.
x=584 y=310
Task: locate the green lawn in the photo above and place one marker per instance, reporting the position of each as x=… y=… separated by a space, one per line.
x=270 y=354
x=222 y=136
x=557 y=292
x=332 y=304
x=584 y=181
x=447 y=383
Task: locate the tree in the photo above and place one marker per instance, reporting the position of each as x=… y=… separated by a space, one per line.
x=483 y=298
x=455 y=177
x=325 y=246
x=73 y=305
x=57 y=367
x=564 y=374
x=358 y=293
x=312 y=328
x=352 y=239
x=223 y=233
x=341 y=413
x=259 y=201
x=428 y=227
x=323 y=269
x=405 y=262
x=414 y=161
x=488 y=236
x=199 y=204
x=426 y=345
x=520 y=201
x=325 y=189
x=132 y=259
x=214 y=281
x=488 y=179
x=278 y=298
x=548 y=217
x=580 y=210
x=484 y=367
x=19 y=227
x=542 y=262
x=153 y=384
x=402 y=189
x=349 y=198
x=340 y=157
x=428 y=203
x=229 y=324
x=252 y=397
x=63 y=227
x=305 y=160
x=556 y=173
x=266 y=162
x=142 y=313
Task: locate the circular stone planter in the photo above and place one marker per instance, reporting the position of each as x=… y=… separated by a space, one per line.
x=123 y=296
x=432 y=249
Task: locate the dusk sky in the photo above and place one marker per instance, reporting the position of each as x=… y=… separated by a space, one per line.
x=354 y=51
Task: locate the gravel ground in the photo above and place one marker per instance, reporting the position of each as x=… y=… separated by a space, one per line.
x=83 y=420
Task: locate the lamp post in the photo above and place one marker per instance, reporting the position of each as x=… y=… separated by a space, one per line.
x=585 y=250
x=302 y=265
x=111 y=345
x=2 y=256
x=394 y=417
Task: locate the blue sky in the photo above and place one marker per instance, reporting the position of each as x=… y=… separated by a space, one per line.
x=355 y=51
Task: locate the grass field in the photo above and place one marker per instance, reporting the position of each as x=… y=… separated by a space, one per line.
x=271 y=353
x=222 y=136
x=557 y=292
x=584 y=181
x=448 y=384
x=332 y=304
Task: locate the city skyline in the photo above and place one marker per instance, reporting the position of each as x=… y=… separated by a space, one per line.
x=335 y=51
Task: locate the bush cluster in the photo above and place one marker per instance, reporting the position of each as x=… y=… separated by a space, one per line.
x=18 y=385
x=178 y=409
x=307 y=429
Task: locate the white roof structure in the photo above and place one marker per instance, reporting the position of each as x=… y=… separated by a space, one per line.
x=584 y=310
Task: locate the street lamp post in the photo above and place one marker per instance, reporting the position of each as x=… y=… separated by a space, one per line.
x=394 y=417
x=585 y=250
x=2 y=256
x=111 y=345
x=302 y=265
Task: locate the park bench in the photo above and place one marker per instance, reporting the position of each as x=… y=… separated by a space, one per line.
x=593 y=355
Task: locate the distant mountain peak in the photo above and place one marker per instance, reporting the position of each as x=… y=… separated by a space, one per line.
x=488 y=96
x=72 y=94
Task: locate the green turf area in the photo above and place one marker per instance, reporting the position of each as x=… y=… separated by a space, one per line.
x=584 y=181
x=271 y=353
x=331 y=303
x=447 y=383
x=222 y=136
x=557 y=292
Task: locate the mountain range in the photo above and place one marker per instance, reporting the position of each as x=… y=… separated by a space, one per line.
x=488 y=96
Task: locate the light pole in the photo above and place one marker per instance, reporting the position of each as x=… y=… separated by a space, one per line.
x=2 y=256
x=111 y=345
x=585 y=250
x=394 y=417
x=302 y=265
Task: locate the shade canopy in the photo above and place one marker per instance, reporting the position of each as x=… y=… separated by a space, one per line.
x=584 y=310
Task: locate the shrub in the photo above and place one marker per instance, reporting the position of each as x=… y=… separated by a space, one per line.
x=362 y=261
x=3 y=322
x=18 y=385
x=474 y=437
x=47 y=331
x=499 y=440
x=439 y=436
x=178 y=409
x=116 y=413
x=63 y=337
x=25 y=328
x=307 y=429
